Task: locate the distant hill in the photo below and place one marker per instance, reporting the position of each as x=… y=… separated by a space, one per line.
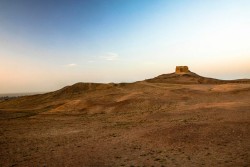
x=18 y=94
x=86 y=90
x=191 y=78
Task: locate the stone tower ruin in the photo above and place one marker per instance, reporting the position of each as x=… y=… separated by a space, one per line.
x=181 y=69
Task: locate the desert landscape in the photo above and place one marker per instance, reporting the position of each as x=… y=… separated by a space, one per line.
x=176 y=119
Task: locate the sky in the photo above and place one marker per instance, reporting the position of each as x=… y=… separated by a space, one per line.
x=48 y=44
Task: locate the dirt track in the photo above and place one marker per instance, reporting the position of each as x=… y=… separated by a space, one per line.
x=139 y=124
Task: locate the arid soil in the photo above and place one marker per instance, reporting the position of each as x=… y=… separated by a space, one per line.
x=157 y=122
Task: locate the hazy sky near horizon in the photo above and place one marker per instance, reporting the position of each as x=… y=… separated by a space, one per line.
x=48 y=44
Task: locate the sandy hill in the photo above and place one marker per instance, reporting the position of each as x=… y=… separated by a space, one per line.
x=191 y=78
x=85 y=90
x=177 y=119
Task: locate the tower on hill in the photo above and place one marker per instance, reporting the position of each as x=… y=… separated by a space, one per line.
x=181 y=69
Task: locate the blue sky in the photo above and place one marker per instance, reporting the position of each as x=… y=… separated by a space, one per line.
x=45 y=45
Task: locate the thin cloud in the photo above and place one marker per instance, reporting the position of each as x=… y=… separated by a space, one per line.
x=149 y=63
x=71 y=65
x=110 y=56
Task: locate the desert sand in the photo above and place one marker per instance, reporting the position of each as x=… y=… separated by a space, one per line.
x=170 y=120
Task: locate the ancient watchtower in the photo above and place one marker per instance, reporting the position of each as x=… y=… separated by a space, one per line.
x=181 y=69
